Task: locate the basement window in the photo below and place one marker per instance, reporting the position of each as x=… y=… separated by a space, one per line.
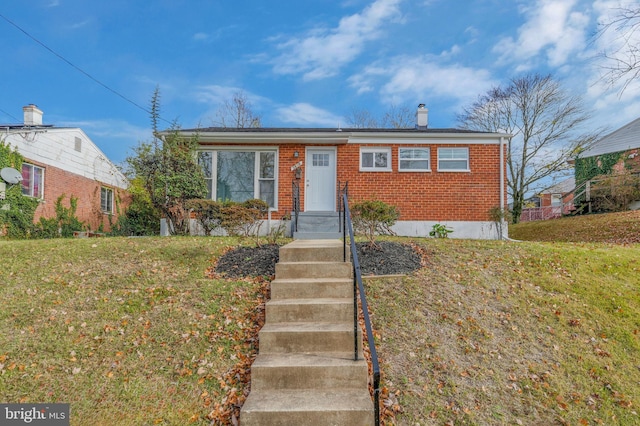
x=375 y=159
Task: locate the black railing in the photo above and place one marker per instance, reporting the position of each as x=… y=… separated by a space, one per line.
x=295 y=190
x=358 y=287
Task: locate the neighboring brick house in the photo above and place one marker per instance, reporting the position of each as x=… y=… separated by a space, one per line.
x=446 y=176
x=63 y=160
x=614 y=154
x=551 y=203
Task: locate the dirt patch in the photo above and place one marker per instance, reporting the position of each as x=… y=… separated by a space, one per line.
x=388 y=258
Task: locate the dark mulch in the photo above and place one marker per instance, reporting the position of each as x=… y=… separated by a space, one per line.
x=388 y=258
x=249 y=261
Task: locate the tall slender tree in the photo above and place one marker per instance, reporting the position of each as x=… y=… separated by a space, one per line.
x=169 y=171
x=546 y=127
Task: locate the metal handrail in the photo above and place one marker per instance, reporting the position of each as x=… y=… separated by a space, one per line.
x=295 y=190
x=358 y=287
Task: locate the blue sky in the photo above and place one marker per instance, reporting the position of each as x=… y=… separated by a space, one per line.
x=300 y=63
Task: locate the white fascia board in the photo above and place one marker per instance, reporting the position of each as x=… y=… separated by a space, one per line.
x=332 y=138
x=426 y=139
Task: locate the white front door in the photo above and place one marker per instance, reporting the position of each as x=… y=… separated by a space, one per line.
x=320 y=176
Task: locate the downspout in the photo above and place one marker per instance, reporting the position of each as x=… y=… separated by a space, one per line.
x=502 y=187
x=502 y=206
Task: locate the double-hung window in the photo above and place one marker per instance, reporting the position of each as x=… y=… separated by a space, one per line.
x=32 y=180
x=453 y=159
x=414 y=159
x=106 y=200
x=240 y=175
x=374 y=159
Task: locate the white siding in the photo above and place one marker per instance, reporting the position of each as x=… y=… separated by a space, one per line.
x=623 y=139
x=57 y=147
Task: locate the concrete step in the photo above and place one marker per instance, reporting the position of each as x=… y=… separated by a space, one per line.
x=307 y=337
x=293 y=270
x=318 y=250
x=311 y=287
x=316 y=235
x=318 y=222
x=308 y=371
x=309 y=310
x=308 y=407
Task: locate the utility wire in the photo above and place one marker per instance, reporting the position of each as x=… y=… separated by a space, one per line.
x=6 y=113
x=115 y=92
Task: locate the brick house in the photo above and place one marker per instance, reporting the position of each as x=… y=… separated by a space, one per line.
x=448 y=176
x=63 y=160
x=615 y=154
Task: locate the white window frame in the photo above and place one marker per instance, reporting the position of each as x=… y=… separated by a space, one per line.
x=106 y=194
x=30 y=190
x=414 y=160
x=443 y=161
x=256 y=179
x=374 y=151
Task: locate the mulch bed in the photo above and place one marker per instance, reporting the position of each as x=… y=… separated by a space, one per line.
x=386 y=258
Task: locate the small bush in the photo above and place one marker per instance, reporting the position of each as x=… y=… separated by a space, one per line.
x=207 y=213
x=64 y=224
x=440 y=231
x=374 y=217
x=235 y=218
x=614 y=193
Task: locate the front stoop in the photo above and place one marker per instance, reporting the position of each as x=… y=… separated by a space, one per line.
x=304 y=373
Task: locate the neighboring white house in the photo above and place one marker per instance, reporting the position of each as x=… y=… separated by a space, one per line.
x=64 y=160
x=624 y=139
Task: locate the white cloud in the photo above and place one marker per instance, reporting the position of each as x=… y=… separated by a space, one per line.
x=323 y=51
x=304 y=114
x=200 y=36
x=421 y=78
x=552 y=29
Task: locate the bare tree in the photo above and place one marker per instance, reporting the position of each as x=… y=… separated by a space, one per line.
x=546 y=126
x=237 y=112
x=399 y=117
x=396 y=117
x=621 y=34
x=361 y=119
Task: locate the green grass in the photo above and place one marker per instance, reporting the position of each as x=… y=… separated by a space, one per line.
x=512 y=333
x=136 y=332
x=618 y=228
x=129 y=331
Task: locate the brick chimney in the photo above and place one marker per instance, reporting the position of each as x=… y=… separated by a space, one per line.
x=32 y=115
x=422 y=117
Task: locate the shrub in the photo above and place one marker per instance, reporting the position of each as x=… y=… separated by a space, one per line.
x=374 y=217
x=64 y=224
x=16 y=210
x=614 y=193
x=141 y=217
x=207 y=213
x=242 y=218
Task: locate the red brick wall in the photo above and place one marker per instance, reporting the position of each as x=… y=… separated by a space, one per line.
x=437 y=196
x=87 y=191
